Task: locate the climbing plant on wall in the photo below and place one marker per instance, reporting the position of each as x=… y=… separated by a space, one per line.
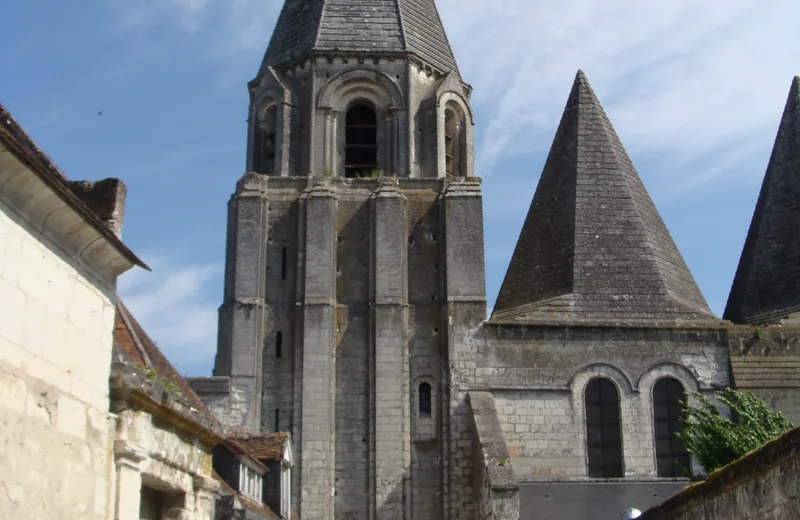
x=715 y=440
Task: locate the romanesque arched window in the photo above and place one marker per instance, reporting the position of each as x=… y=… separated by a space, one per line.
x=361 y=141
x=454 y=140
x=671 y=455
x=425 y=407
x=265 y=138
x=603 y=433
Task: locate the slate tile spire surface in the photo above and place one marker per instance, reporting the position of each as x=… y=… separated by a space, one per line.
x=593 y=248
x=767 y=282
x=360 y=26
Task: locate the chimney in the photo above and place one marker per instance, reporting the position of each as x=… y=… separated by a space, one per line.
x=106 y=199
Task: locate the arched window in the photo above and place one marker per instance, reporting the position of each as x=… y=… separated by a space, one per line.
x=361 y=141
x=603 y=435
x=454 y=141
x=671 y=454
x=266 y=131
x=424 y=400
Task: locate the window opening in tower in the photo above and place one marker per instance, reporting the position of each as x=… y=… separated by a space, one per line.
x=361 y=142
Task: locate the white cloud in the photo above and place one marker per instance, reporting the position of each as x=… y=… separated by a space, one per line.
x=174 y=306
x=679 y=78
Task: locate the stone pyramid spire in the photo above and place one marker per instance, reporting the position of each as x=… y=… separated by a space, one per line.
x=362 y=27
x=593 y=248
x=767 y=282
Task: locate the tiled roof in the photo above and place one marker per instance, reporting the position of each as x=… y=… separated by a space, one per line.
x=767 y=283
x=766 y=371
x=131 y=337
x=593 y=248
x=263 y=446
x=354 y=26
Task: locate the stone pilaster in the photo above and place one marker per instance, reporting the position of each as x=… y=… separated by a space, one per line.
x=242 y=313
x=129 y=458
x=319 y=369
x=391 y=453
x=465 y=292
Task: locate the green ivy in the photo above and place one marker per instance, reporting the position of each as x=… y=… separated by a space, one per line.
x=716 y=441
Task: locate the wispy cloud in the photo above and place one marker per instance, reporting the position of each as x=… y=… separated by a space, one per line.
x=174 y=305
x=680 y=78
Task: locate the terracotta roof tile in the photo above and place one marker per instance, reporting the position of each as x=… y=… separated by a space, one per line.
x=132 y=338
x=263 y=446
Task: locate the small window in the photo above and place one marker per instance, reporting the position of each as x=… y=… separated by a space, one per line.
x=603 y=433
x=454 y=141
x=361 y=141
x=249 y=482
x=671 y=455
x=278 y=344
x=424 y=400
x=283 y=264
x=266 y=130
x=277 y=420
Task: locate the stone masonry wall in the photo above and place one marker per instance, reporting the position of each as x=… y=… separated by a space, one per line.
x=764 y=484
x=55 y=354
x=538 y=379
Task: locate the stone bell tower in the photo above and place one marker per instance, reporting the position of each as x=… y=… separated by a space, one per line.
x=354 y=266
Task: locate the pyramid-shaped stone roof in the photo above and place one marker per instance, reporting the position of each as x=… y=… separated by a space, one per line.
x=593 y=248
x=767 y=282
x=360 y=26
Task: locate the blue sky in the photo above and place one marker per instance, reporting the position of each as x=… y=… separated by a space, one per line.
x=694 y=89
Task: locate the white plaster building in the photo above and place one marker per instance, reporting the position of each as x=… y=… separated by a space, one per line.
x=60 y=256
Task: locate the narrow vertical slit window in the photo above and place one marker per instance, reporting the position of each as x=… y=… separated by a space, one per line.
x=283 y=264
x=278 y=344
x=671 y=455
x=603 y=432
x=424 y=400
x=277 y=420
x=361 y=141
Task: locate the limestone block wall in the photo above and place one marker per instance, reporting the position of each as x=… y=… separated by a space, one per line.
x=56 y=321
x=538 y=379
x=151 y=454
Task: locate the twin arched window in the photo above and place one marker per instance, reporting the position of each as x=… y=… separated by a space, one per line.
x=361 y=141
x=671 y=454
x=603 y=434
x=603 y=431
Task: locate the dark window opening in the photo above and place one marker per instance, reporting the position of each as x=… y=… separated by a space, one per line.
x=361 y=142
x=278 y=344
x=266 y=131
x=283 y=264
x=425 y=400
x=603 y=434
x=277 y=420
x=454 y=143
x=671 y=455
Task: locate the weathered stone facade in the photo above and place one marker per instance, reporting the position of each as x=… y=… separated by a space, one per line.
x=354 y=311
x=58 y=267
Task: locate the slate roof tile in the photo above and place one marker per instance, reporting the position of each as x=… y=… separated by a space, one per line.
x=391 y=26
x=767 y=282
x=593 y=247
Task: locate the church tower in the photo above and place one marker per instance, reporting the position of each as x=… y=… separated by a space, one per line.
x=354 y=263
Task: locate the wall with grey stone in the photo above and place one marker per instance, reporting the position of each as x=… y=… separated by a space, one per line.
x=538 y=377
